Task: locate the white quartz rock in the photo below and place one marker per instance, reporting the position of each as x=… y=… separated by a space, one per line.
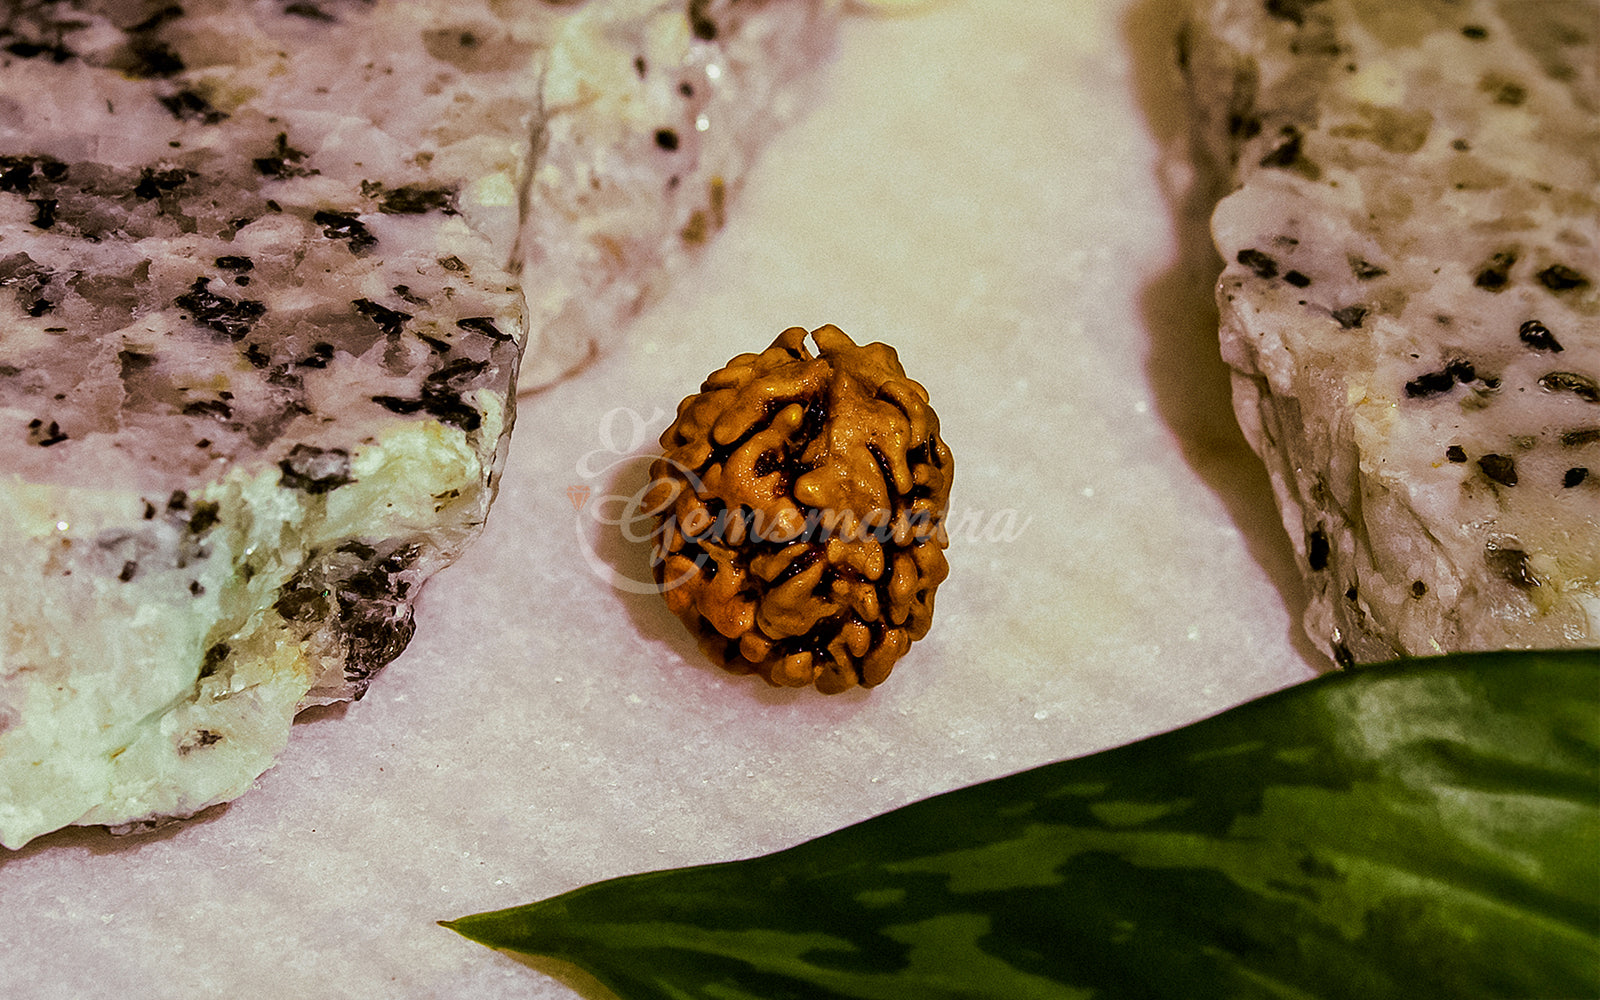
x=263 y=305
x=653 y=113
x=1411 y=306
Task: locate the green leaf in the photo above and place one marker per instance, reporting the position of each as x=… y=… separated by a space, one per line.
x=1424 y=829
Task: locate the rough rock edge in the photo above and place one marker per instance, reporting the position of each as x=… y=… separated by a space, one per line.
x=1318 y=480
x=357 y=611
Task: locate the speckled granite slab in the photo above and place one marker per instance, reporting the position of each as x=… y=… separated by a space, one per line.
x=262 y=307
x=1411 y=306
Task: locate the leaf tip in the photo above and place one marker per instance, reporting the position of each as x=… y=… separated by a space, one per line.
x=459 y=925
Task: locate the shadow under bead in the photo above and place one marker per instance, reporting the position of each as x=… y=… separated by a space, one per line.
x=802 y=501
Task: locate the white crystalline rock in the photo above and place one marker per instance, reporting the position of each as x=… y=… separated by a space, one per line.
x=267 y=275
x=1410 y=300
x=652 y=117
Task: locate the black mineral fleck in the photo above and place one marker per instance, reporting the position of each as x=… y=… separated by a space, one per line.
x=198 y=739
x=1580 y=437
x=1538 y=336
x=1343 y=657
x=147 y=58
x=153 y=183
x=16 y=174
x=345 y=226
x=484 y=325
x=456 y=372
x=213 y=659
x=1287 y=153
x=321 y=353
x=283 y=162
x=45 y=434
x=1293 y=11
x=1350 y=317
x=207 y=514
x=156 y=19
x=1259 y=263
x=316 y=470
x=302 y=604
x=1561 y=278
x=375 y=632
x=309 y=11
x=1430 y=384
x=1500 y=468
x=1582 y=386
x=1509 y=93
x=390 y=321
x=1496 y=274
x=1511 y=565
x=44 y=212
x=1317 y=550
x=234 y=317
x=700 y=21
x=411 y=199
x=188 y=106
x=207 y=408
x=1365 y=270
x=435 y=344
x=437 y=402
x=57 y=52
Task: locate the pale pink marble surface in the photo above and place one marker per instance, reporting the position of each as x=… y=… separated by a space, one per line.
x=981 y=185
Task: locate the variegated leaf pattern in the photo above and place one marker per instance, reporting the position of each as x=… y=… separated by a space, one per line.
x=1423 y=829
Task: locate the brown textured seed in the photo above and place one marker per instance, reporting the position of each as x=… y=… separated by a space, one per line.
x=802 y=501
